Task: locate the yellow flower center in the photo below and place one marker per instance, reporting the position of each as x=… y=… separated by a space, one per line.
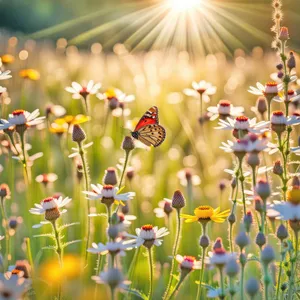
x=204 y=212
x=293 y=195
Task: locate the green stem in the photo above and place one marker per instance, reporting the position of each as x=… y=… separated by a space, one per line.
x=242 y=281
x=242 y=179
x=174 y=252
x=150 y=260
x=293 y=267
x=29 y=254
x=86 y=180
x=199 y=290
x=253 y=177
x=24 y=161
x=4 y=217
x=176 y=287
x=132 y=268
x=266 y=282
x=280 y=272
x=222 y=296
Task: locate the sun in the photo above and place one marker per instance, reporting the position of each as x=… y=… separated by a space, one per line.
x=183 y=5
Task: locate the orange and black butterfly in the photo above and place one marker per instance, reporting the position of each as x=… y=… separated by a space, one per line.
x=148 y=131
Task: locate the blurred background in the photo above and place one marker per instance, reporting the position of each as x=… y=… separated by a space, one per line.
x=76 y=20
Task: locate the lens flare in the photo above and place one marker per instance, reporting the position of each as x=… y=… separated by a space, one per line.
x=183 y=5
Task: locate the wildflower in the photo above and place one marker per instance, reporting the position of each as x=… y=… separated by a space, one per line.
x=112 y=277
x=205 y=89
x=188 y=263
x=23 y=266
x=281 y=232
x=261 y=106
x=263 y=189
x=5 y=75
x=225 y=109
x=108 y=194
x=206 y=213
x=232 y=267
x=31 y=74
x=116 y=94
x=260 y=239
x=2 y=90
x=219 y=257
x=267 y=254
x=279 y=121
x=239 y=148
x=71 y=120
x=7 y=59
x=242 y=125
x=13 y=287
x=50 y=207
x=113 y=248
x=164 y=208
x=291 y=63
x=186 y=176
x=79 y=91
x=291 y=96
x=148 y=236
x=46 y=178
x=270 y=90
x=78 y=134
x=58 y=129
x=21 y=117
x=242 y=240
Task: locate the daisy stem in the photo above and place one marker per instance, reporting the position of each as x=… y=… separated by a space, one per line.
x=242 y=179
x=280 y=271
x=26 y=177
x=29 y=254
x=150 y=259
x=253 y=177
x=5 y=223
x=199 y=290
x=222 y=296
x=86 y=180
x=201 y=105
x=113 y=294
x=266 y=281
x=242 y=281
x=176 y=288
x=284 y=178
x=293 y=267
x=132 y=267
x=269 y=109
x=174 y=252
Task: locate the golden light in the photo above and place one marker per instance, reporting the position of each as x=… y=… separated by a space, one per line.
x=183 y=5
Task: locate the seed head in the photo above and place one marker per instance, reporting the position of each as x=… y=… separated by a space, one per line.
x=281 y=232
x=261 y=105
x=204 y=241
x=260 y=239
x=263 y=189
x=252 y=287
x=242 y=240
x=277 y=168
x=232 y=267
x=267 y=255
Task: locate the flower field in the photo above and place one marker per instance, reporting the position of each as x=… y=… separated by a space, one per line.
x=150 y=175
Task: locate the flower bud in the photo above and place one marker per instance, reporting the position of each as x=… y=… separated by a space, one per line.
x=178 y=200
x=125 y=209
x=231 y=218
x=284 y=286
x=277 y=168
x=258 y=205
x=252 y=287
x=279 y=67
x=233 y=183
x=78 y=135
x=4 y=190
x=167 y=208
x=295 y=182
x=128 y=144
x=261 y=105
x=130 y=173
x=110 y=176
x=263 y=189
x=291 y=63
x=222 y=185
x=267 y=255
x=113 y=103
x=248 y=220
x=281 y=232
x=13 y=223
x=232 y=267
x=218 y=244
x=260 y=239
x=113 y=231
x=284 y=34
x=280 y=74
x=204 y=241
x=113 y=277
x=253 y=159
x=242 y=239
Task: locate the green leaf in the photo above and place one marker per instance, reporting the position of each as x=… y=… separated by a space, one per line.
x=49 y=248
x=50 y=235
x=205 y=285
x=70 y=243
x=137 y=293
x=62 y=227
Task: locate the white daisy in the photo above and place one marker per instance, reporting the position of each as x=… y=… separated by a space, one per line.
x=108 y=192
x=286 y=210
x=188 y=262
x=225 y=109
x=2 y=90
x=46 y=178
x=219 y=257
x=117 y=94
x=5 y=75
x=56 y=110
x=79 y=90
x=278 y=118
x=271 y=89
x=292 y=96
x=116 y=247
x=203 y=88
x=22 y=117
x=186 y=175
x=257 y=143
x=112 y=277
x=242 y=123
x=147 y=235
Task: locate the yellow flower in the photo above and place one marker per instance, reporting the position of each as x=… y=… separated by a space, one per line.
x=72 y=120
x=58 y=128
x=7 y=59
x=30 y=74
x=110 y=93
x=206 y=213
x=293 y=195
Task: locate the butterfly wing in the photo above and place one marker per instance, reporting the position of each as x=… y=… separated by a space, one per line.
x=152 y=134
x=149 y=117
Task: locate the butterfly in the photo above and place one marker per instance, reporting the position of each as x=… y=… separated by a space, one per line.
x=147 y=130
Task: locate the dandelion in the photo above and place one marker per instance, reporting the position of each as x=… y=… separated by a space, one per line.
x=225 y=109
